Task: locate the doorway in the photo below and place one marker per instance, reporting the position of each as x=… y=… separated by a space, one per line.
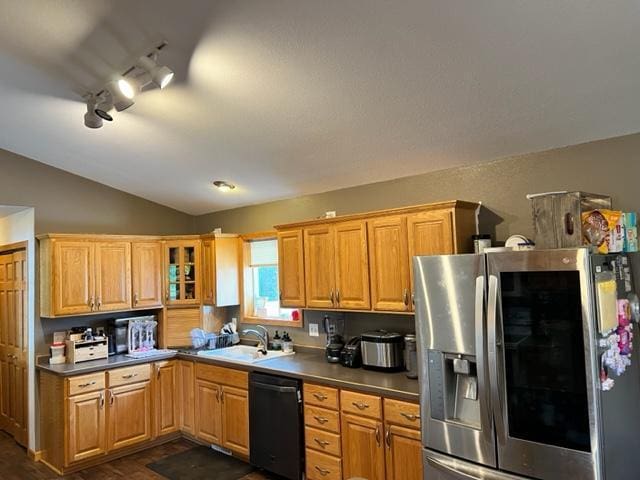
x=13 y=341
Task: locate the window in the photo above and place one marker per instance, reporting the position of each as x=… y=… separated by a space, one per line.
x=261 y=290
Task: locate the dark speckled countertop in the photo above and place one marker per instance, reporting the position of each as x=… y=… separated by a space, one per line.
x=307 y=364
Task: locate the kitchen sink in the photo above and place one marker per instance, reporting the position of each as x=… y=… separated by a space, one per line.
x=243 y=354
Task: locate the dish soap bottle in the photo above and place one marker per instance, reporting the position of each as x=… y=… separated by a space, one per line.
x=277 y=342
x=287 y=343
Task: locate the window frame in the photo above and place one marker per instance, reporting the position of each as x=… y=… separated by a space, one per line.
x=246 y=305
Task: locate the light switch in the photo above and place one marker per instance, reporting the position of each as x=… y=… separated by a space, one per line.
x=313 y=330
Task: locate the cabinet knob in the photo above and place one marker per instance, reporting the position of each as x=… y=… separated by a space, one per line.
x=130 y=375
x=331 y=297
x=338 y=296
x=91 y=303
x=378 y=434
x=387 y=437
x=322 y=443
x=135 y=299
x=410 y=416
x=111 y=398
x=101 y=400
x=320 y=396
x=321 y=420
x=98 y=303
x=88 y=384
x=405 y=297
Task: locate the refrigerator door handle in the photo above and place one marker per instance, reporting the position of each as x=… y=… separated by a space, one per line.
x=458 y=475
x=492 y=344
x=483 y=384
x=466 y=471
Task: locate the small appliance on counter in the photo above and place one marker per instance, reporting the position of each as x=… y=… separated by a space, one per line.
x=351 y=355
x=382 y=350
x=334 y=327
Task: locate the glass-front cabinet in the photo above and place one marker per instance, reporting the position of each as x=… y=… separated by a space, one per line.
x=182 y=271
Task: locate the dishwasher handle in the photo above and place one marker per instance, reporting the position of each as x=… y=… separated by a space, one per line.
x=275 y=388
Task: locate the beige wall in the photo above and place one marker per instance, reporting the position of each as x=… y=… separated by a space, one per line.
x=68 y=203
x=607 y=166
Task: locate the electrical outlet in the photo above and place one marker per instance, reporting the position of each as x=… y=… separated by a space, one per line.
x=313 y=330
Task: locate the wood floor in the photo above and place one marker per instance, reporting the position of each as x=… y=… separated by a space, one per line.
x=15 y=465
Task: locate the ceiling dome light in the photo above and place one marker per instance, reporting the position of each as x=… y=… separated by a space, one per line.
x=161 y=75
x=121 y=93
x=91 y=119
x=224 y=186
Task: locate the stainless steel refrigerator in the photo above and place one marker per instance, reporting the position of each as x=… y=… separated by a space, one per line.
x=510 y=367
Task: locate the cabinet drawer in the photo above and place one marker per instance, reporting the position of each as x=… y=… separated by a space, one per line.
x=223 y=376
x=322 y=418
x=85 y=383
x=320 y=395
x=128 y=375
x=322 y=441
x=402 y=413
x=361 y=404
x=323 y=467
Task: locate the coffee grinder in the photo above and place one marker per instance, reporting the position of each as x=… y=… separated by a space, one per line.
x=334 y=328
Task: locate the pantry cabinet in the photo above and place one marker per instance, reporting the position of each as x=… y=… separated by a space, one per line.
x=291 y=268
x=336 y=266
x=146 y=274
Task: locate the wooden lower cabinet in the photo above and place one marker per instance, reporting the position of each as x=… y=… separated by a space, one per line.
x=362 y=448
x=165 y=398
x=86 y=427
x=208 y=426
x=235 y=419
x=129 y=415
x=186 y=394
x=403 y=453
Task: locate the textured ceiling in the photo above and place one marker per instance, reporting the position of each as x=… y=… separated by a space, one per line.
x=291 y=97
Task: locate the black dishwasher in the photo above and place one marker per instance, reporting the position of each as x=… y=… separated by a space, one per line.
x=276 y=428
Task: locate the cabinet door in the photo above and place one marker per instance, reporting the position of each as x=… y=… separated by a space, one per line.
x=319 y=266
x=291 y=268
x=86 y=433
x=166 y=397
x=362 y=448
x=183 y=276
x=352 y=266
x=129 y=417
x=187 y=398
x=113 y=276
x=226 y=271
x=389 y=264
x=73 y=277
x=208 y=412
x=208 y=272
x=430 y=233
x=235 y=420
x=404 y=453
x=146 y=274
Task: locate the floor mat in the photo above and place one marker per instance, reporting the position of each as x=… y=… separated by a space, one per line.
x=201 y=463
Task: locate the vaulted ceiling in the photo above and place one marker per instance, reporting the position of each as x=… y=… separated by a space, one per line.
x=289 y=97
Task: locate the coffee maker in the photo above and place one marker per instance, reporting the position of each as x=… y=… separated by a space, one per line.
x=334 y=328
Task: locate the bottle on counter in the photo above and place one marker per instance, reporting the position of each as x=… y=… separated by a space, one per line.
x=276 y=343
x=411 y=356
x=287 y=343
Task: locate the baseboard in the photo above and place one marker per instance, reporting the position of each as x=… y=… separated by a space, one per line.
x=36 y=456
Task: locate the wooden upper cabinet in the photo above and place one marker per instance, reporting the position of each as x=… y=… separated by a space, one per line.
x=208 y=272
x=182 y=270
x=73 y=277
x=362 y=448
x=319 y=266
x=112 y=276
x=291 y=268
x=146 y=274
x=431 y=233
x=352 y=266
x=389 y=264
x=221 y=270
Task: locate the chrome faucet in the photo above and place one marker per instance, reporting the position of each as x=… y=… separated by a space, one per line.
x=262 y=334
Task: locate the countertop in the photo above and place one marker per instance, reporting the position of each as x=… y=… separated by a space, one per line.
x=307 y=364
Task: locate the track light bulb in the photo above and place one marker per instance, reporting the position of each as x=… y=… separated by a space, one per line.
x=122 y=94
x=161 y=75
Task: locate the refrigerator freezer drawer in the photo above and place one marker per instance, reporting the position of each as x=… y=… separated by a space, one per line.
x=443 y=467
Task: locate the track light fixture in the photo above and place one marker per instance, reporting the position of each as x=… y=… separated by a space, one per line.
x=161 y=75
x=119 y=93
x=122 y=94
